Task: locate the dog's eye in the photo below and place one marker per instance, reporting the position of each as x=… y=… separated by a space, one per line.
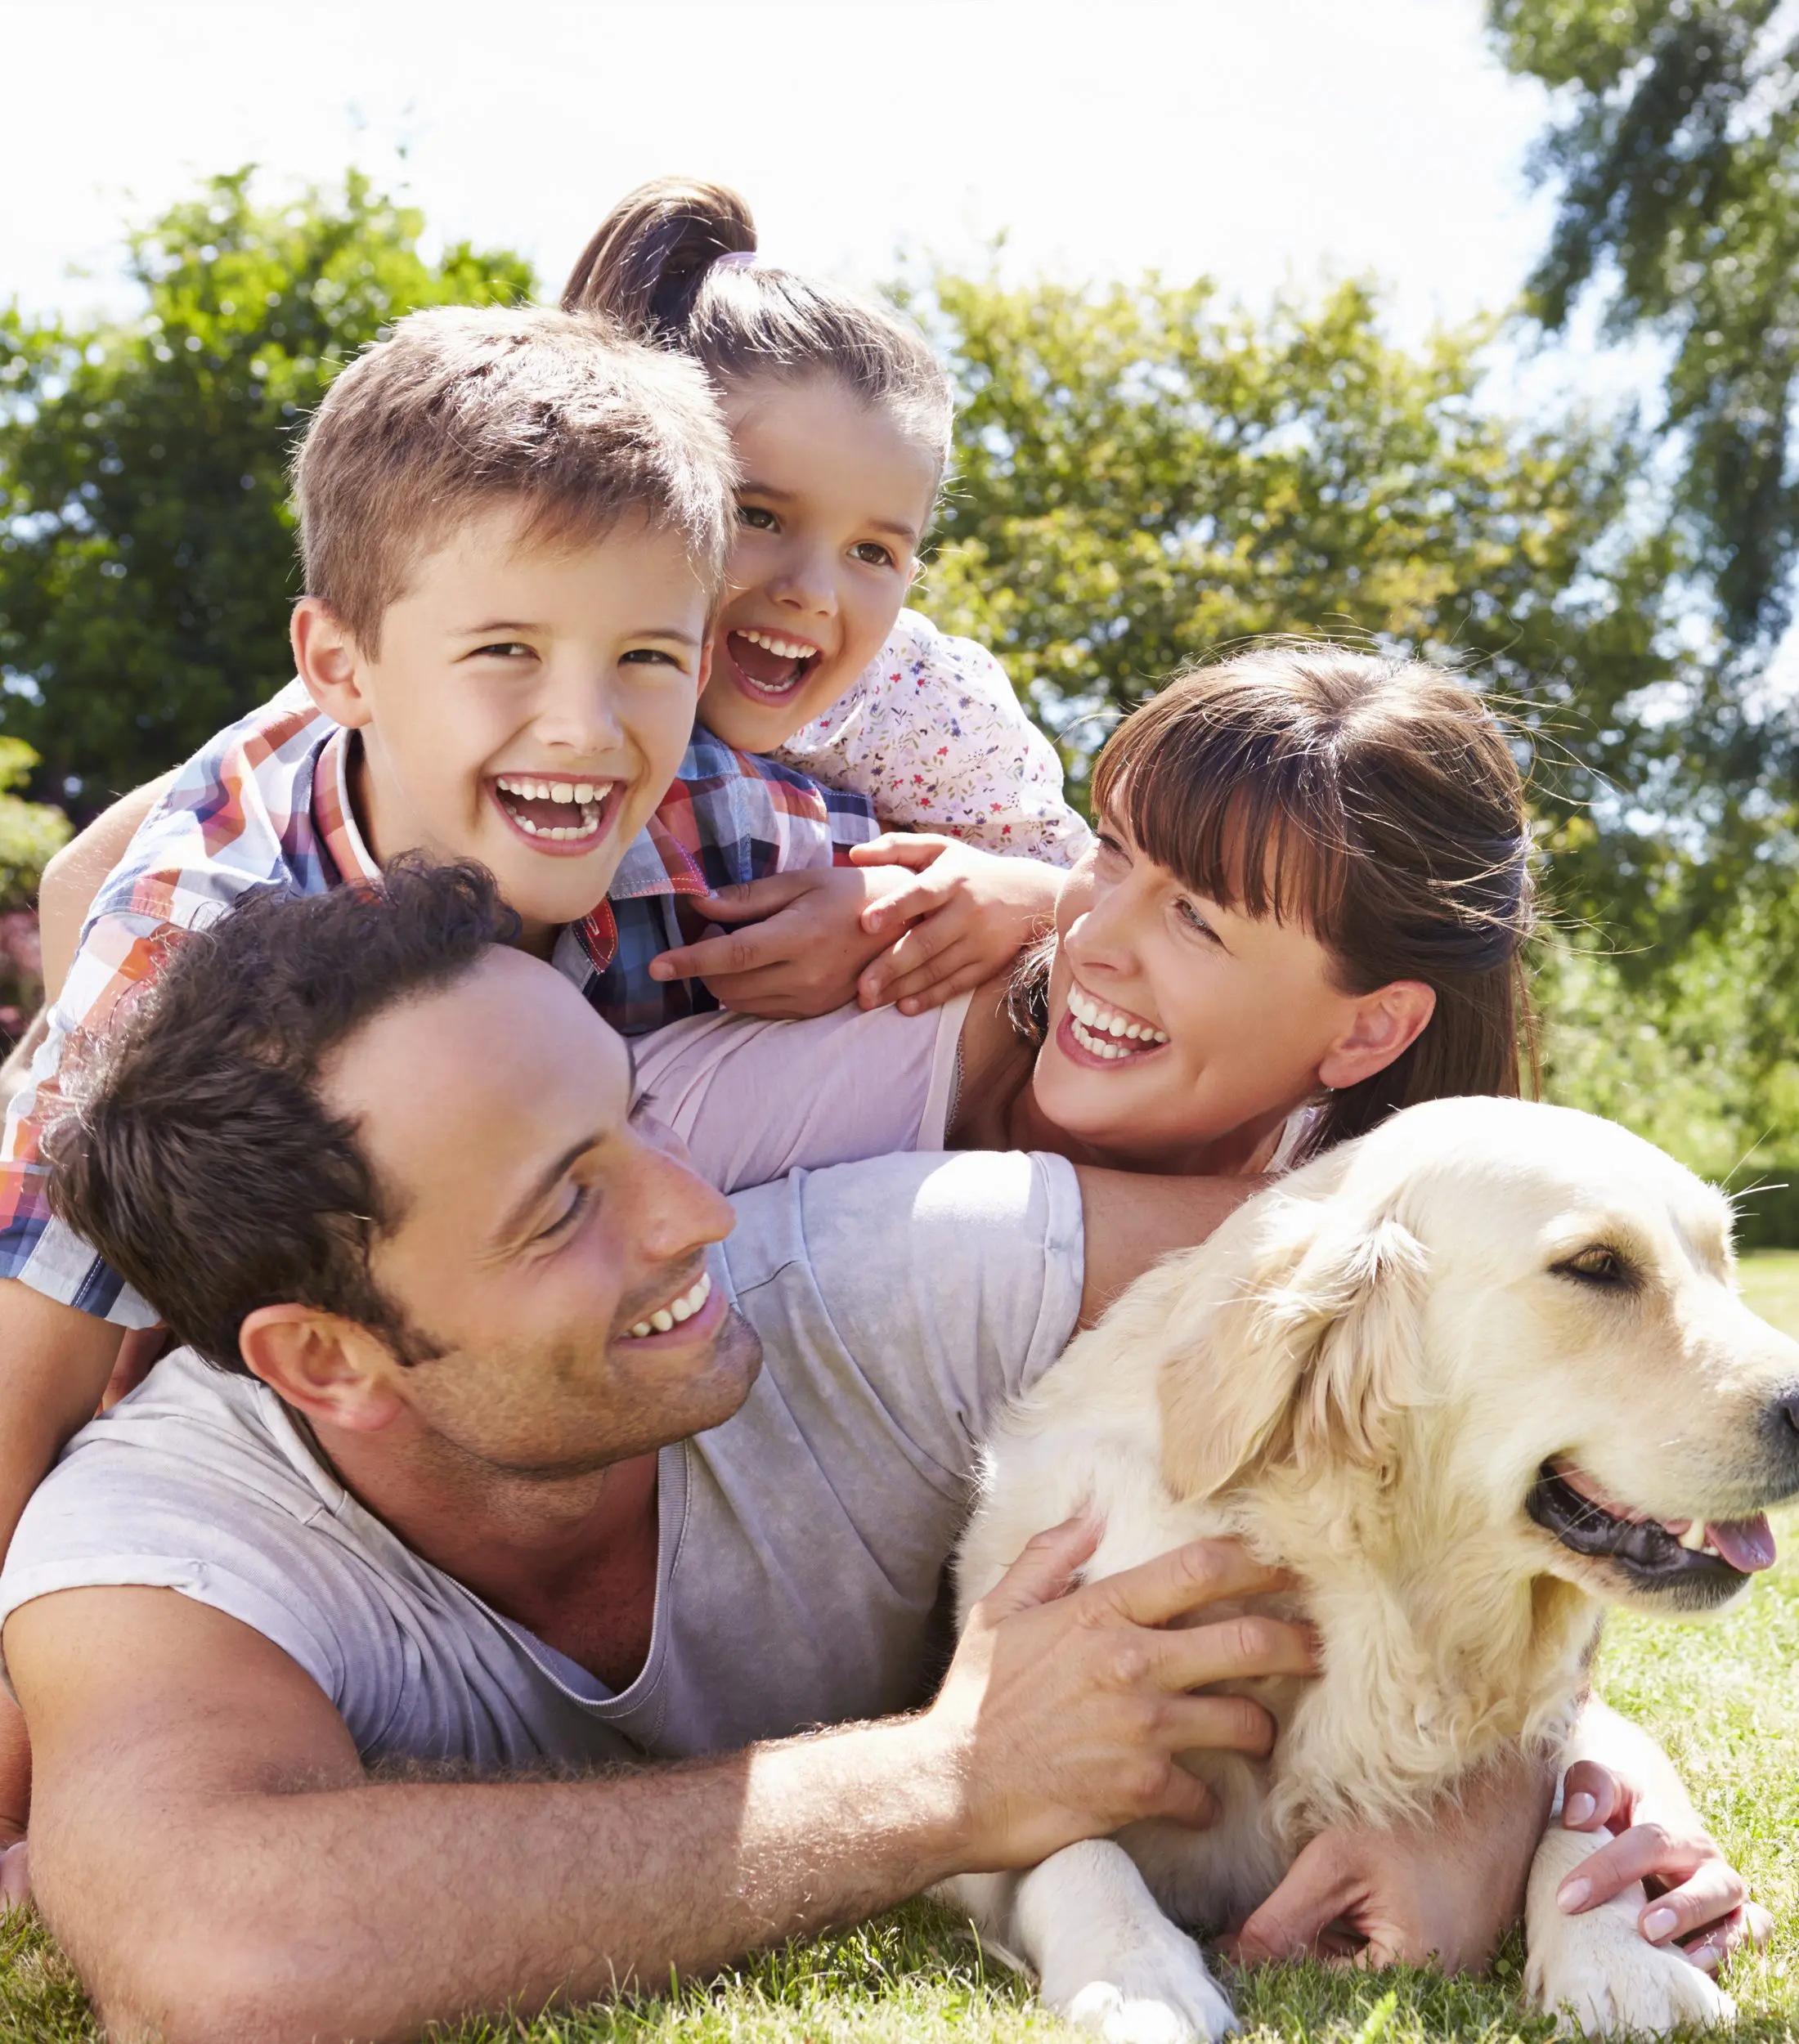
x=1597 y=1266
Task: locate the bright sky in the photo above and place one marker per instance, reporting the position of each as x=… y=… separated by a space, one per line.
x=1256 y=139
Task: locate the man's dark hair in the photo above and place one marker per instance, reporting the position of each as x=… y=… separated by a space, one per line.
x=195 y=1154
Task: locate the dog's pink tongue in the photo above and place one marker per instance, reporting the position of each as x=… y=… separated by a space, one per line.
x=1745 y=1543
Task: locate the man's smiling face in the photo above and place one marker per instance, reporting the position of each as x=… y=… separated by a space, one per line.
x=541 y=1221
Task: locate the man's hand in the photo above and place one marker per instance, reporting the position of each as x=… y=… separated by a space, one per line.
x=803 y=947
x=963 y=916
x=1064 y=1710
x=1445 y=1888
x=1698 y=1902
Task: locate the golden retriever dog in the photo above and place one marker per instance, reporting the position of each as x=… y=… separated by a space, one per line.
x=1470 y=1379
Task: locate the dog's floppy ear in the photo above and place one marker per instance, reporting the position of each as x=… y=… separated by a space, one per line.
x=1316 y=1354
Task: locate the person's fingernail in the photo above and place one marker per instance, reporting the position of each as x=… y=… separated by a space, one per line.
x=657 y=970
x=1574 y=1894
x=1579 y=1811
x=1658 y=1924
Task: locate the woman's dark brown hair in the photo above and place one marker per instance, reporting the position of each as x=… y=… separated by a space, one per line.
x=654 y=266
x=1377 y=804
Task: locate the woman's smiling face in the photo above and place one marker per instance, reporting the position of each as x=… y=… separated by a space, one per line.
x=1183 y=1032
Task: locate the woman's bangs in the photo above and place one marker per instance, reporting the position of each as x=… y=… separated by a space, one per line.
x=1248 y=833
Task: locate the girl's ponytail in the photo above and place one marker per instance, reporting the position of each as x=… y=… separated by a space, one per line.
x=650 y=255
x=653 y=266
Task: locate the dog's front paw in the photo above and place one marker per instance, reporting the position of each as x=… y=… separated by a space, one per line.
x=1611 y=1979
x=1159 y=1993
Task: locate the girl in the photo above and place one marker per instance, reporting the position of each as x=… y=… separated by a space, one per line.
x=840 y=415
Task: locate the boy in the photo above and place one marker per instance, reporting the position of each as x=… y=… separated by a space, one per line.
x=514 y=527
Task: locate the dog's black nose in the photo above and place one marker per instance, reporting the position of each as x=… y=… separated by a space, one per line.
x=1788 y=1403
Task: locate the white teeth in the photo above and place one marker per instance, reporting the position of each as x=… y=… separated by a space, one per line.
x=677 y=1310
x=590 y=795
x=781 y=649
x=1087 y=1011
x=1693 y=1540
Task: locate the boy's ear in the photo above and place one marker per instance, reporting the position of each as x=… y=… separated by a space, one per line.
x=1385 y=1024
x=708 y=647
x=328 y=662
x=324 y=1366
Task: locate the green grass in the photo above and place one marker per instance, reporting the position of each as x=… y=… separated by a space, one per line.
x=1723 y=1698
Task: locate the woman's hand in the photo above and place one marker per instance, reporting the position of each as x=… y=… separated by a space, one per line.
x=1699 y=1903
x=1445 y=1887
x=963 y=917
x=14 y=1877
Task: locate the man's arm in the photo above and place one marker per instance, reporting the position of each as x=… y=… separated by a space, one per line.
x=54 y=1361
x=1132 y=1220
x=217 y=1864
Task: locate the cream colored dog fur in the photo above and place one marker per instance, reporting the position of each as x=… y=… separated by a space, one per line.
x=1367 y=1374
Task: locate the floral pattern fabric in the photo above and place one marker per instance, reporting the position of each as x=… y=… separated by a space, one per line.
x=933 y=734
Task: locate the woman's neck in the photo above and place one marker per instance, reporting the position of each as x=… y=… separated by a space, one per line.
x=1239 y=1153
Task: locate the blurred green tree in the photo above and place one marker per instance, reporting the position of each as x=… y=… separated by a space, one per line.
x=29 y=832
x=1675 y=149
x=1143 y=476
x=147 y=549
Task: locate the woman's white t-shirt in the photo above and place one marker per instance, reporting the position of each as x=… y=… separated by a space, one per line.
x=753 y=1100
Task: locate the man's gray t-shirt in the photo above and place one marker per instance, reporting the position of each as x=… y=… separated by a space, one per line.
x=900 y=1302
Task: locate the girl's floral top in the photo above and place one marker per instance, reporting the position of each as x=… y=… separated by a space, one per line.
x=932 y=733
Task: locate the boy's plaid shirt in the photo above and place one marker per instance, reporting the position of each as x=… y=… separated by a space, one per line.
x=267 y=802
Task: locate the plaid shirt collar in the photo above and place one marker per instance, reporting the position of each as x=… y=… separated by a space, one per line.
x=334 y=814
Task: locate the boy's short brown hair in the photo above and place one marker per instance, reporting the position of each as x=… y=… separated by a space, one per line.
x=463 y=408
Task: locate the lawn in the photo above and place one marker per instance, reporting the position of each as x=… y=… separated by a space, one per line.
x=1722 y=1697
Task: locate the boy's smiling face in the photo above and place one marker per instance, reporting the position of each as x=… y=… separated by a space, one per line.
x=833 y=500
x=528 y=706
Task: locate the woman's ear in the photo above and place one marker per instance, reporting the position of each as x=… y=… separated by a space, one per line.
x=326 y=1367
x=327 y=659
x=1382 y=1025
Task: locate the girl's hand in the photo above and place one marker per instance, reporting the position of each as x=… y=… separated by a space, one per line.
x=799 y=949
x=1699 y=1903
x=963 y=917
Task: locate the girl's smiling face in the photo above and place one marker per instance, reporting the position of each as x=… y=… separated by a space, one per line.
x=833 y=500
x=1183 y=1032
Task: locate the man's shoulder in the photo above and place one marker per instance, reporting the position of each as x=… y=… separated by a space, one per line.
x=941 y=1283
x=191 y=1430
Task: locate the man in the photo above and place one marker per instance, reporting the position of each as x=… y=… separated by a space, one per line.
x=482 y=1476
